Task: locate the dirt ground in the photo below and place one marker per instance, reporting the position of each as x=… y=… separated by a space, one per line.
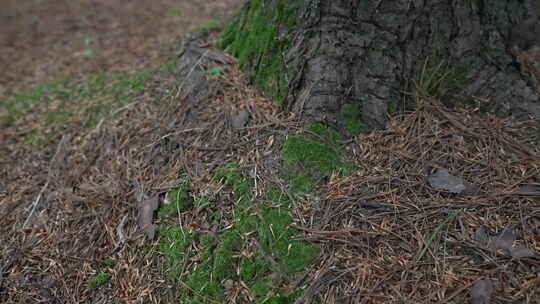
x=442 y=207
x=43 y=39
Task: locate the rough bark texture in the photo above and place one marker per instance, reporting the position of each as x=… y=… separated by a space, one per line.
x=365 y=53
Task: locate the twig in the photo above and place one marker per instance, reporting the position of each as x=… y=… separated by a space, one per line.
x=179 y=89
x=49 y=175
x=120 y=233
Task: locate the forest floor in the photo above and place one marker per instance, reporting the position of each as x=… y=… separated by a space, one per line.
x=115 y=187
x=42 y=40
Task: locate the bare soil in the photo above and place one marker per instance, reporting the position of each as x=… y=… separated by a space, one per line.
x=42 y=39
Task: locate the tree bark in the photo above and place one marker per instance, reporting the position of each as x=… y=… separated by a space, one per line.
x=367 y=54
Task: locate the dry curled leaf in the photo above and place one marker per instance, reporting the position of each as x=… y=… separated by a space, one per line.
x=521 y=251
x=481 y=292
x=147 y=206
x=504 y=242
x=442 y=180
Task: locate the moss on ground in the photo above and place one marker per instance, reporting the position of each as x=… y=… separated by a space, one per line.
x=108 y=262
x=56 y=102
x=98 y=280
x=313 y=155
x=223 y=256
x=254 y=38
x=174 y=244
x=230 y=176
x=309 y=159
x=180 y=201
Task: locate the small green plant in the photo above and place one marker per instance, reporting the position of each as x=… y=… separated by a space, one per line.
x=216 y=71
x=438 y=78
x=174 y=12
x=170 y=65
x=88 y=53
x=392 y=110
x=98 y=280
x=434 y=234
x=213 y=23
x=108 y=262
x=89 y=41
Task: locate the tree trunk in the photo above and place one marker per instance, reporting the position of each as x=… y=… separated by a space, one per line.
x=329 y=61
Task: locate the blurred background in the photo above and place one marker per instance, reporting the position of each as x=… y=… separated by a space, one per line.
x=45 y=39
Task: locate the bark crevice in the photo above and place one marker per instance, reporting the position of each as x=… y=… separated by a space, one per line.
x=368 y=52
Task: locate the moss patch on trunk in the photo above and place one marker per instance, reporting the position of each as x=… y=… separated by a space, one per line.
x=257 y=37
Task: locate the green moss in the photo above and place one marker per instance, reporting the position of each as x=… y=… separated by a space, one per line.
x=223 y=261
x=55 y=103
x=108 y=262
x=298 y=256
x=207 y=241
x=99 y=279
x=170 y=65
x=276 y=195
x=174 y=243
x=19 y=104
x=230 y=176
x=392 y=110
x=265 y=222
x=216 y=71
x=217 y=217
x=276 y=236
x=262 y=287
x=254 y=268
x=176 y=12
x=313 y=155
x=327 y=134
x=203 y=284
x=245 y=220
x=353 y=119
x=254 y=38
x=309 y=159
x=300 y=183
x=201 y=287
x=266 y=294
x=180 y=201
x=201 y=202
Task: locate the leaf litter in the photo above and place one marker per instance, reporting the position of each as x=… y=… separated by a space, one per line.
x=433 y=208
x=388 y=233
x=101 y=198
